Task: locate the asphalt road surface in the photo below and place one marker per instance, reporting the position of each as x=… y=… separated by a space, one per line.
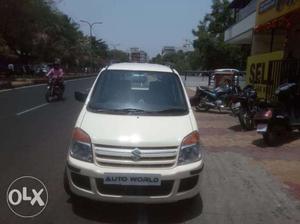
x=34 y=139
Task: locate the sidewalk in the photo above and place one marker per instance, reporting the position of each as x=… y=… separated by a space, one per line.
x=221 y=132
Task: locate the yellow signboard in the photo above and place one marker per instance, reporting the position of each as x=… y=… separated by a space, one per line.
x=258 y=70
x=268 y=10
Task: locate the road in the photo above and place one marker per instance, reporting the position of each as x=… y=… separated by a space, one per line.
x=34 y=141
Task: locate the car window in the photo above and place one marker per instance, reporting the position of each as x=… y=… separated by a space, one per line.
x=139 y=91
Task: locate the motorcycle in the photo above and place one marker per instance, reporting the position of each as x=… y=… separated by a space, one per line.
x=248 y=106
x=55 y=90
x=245 y=106
x=278 y=120
x=218 y=98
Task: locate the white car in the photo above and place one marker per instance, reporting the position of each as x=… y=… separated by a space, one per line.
x=135 y=142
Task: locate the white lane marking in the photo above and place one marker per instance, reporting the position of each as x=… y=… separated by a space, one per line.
x=5 y=90
x=22 y=87
x=31 y=109
x=26 y=87
x=73 y=80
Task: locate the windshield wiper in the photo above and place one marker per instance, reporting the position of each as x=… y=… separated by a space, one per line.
x=125 y=110
x=172 y=110
x=97 y=109
x=137 y=111
x=130 y=110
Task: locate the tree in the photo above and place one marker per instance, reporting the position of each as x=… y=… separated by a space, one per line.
x=99 y=51
x=38 y=32
x=211 y=51
x=118 y=56
x=180 y=60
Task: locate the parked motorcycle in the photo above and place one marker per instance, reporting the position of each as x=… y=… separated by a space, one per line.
x=55 y=90
x=248 y=106
x=219 y=98
x=278 y=120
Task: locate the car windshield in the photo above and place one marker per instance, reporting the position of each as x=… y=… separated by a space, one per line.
x=140 y=92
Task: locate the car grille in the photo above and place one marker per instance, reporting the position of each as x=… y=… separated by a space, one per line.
x=117 y=156
x=163 y=190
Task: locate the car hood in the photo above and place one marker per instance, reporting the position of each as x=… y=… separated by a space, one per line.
x=136 y=131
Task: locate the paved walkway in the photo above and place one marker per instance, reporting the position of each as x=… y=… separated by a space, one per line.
x=221 y=132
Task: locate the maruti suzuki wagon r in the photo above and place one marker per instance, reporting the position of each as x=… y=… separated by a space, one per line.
x=136 y=138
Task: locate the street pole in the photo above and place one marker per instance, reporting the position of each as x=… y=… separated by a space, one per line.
x=91 y=36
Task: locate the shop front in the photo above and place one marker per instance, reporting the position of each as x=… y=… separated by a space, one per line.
x=275 y=46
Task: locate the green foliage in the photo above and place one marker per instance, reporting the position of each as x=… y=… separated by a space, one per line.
x=37 y=32
x=118 y=56
x=211 y=51
x=179 y=60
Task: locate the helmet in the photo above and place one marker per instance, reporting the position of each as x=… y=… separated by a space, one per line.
x=57 y=61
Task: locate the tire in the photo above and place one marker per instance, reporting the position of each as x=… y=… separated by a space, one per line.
x=48 y=96
x=235 y=112
x=202 y=105
x=275 y=135
x=231 y=109
x=206 y=108
x=246 y=121
x=60 y=96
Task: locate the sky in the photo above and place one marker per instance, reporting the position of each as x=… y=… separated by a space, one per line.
x=147 y=24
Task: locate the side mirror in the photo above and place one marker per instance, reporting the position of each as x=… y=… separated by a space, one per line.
x=80 y=96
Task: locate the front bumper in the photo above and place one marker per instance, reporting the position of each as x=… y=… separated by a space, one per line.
x=182 y=182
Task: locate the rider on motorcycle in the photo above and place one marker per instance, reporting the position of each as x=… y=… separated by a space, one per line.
x=56 y=74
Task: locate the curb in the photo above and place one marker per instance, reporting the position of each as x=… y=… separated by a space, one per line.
x=44 y=81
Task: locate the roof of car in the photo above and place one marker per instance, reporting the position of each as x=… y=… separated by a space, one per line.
x=140 y=67
x=226 y=70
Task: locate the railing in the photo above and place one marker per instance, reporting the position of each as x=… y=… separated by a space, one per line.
x=282 y=71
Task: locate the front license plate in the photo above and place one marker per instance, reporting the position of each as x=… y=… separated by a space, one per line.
x=262 y=128
x=132 y=179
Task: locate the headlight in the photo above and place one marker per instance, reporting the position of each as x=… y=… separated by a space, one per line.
x=190 y=150
x=81 y=146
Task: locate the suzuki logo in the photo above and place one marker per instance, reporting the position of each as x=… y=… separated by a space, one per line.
x=136 y=154
x=27 y=197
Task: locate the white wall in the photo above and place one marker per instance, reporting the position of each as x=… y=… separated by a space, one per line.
x=233 y=33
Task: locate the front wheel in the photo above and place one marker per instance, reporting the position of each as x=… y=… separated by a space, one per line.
x=246 y=120
x=48 y=96
x=275 y=135
x=203 y=105
x=234 y=109
x=60 y=96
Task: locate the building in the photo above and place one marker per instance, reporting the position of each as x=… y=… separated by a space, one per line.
x=275 y=53
x=143 y=57
x=168 y=50
x=272 y=30
x=241 y=31
x=137 y=55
